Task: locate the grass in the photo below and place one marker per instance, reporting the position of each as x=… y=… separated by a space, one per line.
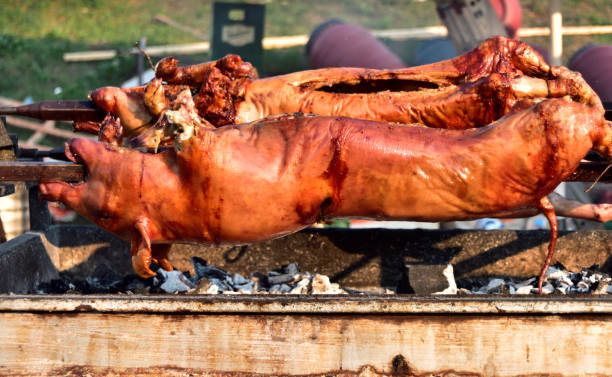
x=34 y=34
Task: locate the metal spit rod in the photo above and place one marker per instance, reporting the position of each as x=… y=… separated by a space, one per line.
x=36 y=171
x=78 y=111
x=69 y=110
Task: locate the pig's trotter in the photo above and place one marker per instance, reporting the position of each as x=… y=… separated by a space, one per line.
x=549 y=211
x=141 y=249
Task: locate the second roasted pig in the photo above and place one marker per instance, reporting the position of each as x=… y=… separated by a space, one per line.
x=471 y=90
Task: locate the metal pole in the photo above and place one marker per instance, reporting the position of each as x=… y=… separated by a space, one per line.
x=143 y=45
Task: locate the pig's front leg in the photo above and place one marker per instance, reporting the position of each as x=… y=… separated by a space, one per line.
x=141 y=248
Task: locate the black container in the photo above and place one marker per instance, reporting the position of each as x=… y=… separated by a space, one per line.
x=238 y=29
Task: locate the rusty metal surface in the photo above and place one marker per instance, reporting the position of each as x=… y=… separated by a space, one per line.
x=58 y=110
x=36 y=171
x=314 y=304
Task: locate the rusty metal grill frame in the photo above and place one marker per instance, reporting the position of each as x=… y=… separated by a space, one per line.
x=310 y=304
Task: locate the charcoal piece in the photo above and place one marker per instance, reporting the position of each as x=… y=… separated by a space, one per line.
x=199 y=266
x=240 y=280
x=280 y=279
x=291 y=269
x=175 y=281
x=494 y=286
x=563 y=288
x=229 y=280
x=87 y=287
x=245 y=288
x=280 y=288
x=523 y=287
x=130 y=283
x=202 y=270
x=202 y=286
x=54 y=286
x=105 y=275
x=260 y=281
x=220 y=283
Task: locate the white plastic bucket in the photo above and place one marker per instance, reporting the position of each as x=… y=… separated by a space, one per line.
x=14 y=212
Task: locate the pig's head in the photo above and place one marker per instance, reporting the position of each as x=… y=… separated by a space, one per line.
x=109 y=176
x=120 y=193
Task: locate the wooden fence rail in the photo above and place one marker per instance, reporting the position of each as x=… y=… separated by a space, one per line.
x=428 y=32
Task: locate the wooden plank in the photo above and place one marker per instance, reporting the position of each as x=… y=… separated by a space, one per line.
x=36 y=171
x=278 y=344
x=87 y=56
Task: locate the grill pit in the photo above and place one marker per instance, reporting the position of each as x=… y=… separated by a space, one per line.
x=144 y=333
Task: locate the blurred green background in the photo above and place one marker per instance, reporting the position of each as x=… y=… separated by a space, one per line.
x=35 y=34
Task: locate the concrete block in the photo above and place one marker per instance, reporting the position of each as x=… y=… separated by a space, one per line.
x=25 y=263
x=425 y=279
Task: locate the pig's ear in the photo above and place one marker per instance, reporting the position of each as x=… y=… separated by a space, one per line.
x=141 y=248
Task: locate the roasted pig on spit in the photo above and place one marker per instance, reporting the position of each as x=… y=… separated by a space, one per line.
x=471 y=90
x=251 y=182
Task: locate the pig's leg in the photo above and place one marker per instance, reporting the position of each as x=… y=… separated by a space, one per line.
x=90 y=127
x=549 y=211
x=141 y=249
x=127 y=104
x=154 y=97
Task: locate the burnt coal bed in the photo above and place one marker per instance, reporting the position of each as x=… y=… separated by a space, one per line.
x=88 y=260
x=289 y=279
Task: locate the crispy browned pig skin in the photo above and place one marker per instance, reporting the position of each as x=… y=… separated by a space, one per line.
x=294 y=171
x=471 y=90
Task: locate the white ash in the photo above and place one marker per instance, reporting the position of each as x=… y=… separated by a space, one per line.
x=558 y=281
x=212 y=280
x=175 y=281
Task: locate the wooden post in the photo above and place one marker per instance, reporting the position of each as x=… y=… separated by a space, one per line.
x=556 y=32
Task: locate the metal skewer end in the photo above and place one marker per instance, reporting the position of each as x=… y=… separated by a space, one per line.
x=8 y=110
